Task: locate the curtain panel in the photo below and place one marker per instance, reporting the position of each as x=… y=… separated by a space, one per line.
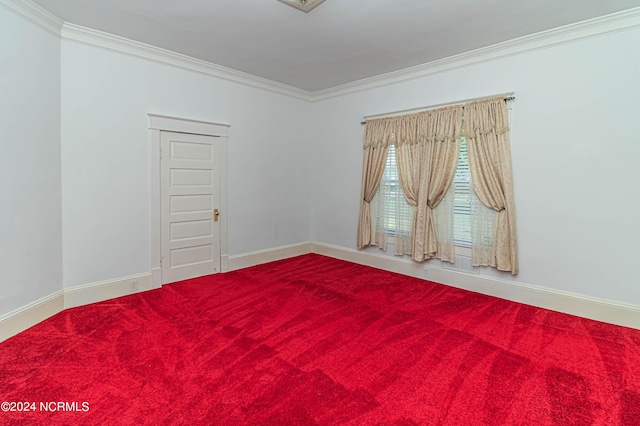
x=427 y=145
x=372 y=168
x=433 y=161
x=377 y=137
x=487 y=134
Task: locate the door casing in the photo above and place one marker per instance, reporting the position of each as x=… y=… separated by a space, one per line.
x=157 y=124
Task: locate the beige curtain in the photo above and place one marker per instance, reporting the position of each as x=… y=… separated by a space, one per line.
x=391 y=210
x=443 y=220
x=427 y=145
x=487 y=133
x=378 y=135
x=426 y=168
x=400 y=131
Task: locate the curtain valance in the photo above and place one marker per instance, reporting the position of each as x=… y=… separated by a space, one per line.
x=486 y=116
x=442 y=124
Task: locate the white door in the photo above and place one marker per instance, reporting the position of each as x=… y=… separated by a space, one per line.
x=190 y=198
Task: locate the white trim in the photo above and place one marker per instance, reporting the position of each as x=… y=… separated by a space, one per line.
x=104 y=290
x=159 y=123
x=224 y=206
x=245 y=260
x=224 y=263
x=592 y=27
x=31 y=314
x=595 y=308
x=91 y=37
x=156 y=277
x=16 y=321
x=35 y=14
x=569 y=33
x=155 y=208
x=614 y=22
x=186 y=125
x=557 y=300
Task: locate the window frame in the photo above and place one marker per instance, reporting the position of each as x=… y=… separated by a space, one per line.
x=460 y=179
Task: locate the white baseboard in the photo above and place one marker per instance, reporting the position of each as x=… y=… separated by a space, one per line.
x=246 y=260
x=29 y=315
x=104 y=290
x=598 y=309
x=571 y=303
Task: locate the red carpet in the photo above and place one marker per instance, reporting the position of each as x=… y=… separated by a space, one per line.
x=313 y=340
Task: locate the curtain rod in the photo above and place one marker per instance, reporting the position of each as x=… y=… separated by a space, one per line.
x=507 y=97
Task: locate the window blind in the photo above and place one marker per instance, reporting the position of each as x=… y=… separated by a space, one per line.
x=462 y=206
x=393 y=211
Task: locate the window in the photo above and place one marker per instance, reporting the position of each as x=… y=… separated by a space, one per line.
x=393 y=214
x=460 y=224
x=462 y=203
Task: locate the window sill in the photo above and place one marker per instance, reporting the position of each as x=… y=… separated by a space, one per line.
x=462 y=250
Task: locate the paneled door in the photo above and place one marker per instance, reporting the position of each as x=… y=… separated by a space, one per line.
x=190 y=200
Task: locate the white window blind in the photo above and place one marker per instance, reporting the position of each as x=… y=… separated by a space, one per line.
x=393 y=212
x=462 y=203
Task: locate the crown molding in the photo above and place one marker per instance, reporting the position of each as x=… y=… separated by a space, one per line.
x=581 y=30
x=35 y=14
x=134 y=48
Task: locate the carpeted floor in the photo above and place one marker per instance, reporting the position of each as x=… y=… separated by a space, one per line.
x=314 y=340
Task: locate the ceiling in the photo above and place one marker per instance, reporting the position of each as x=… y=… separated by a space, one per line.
x=337 y=43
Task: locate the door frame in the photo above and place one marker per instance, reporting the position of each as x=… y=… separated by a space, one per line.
x=160 y=123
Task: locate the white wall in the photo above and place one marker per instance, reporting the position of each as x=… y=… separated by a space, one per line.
x=30 y=217
x=76 y=160
x=575 y=158
x=105 y=159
